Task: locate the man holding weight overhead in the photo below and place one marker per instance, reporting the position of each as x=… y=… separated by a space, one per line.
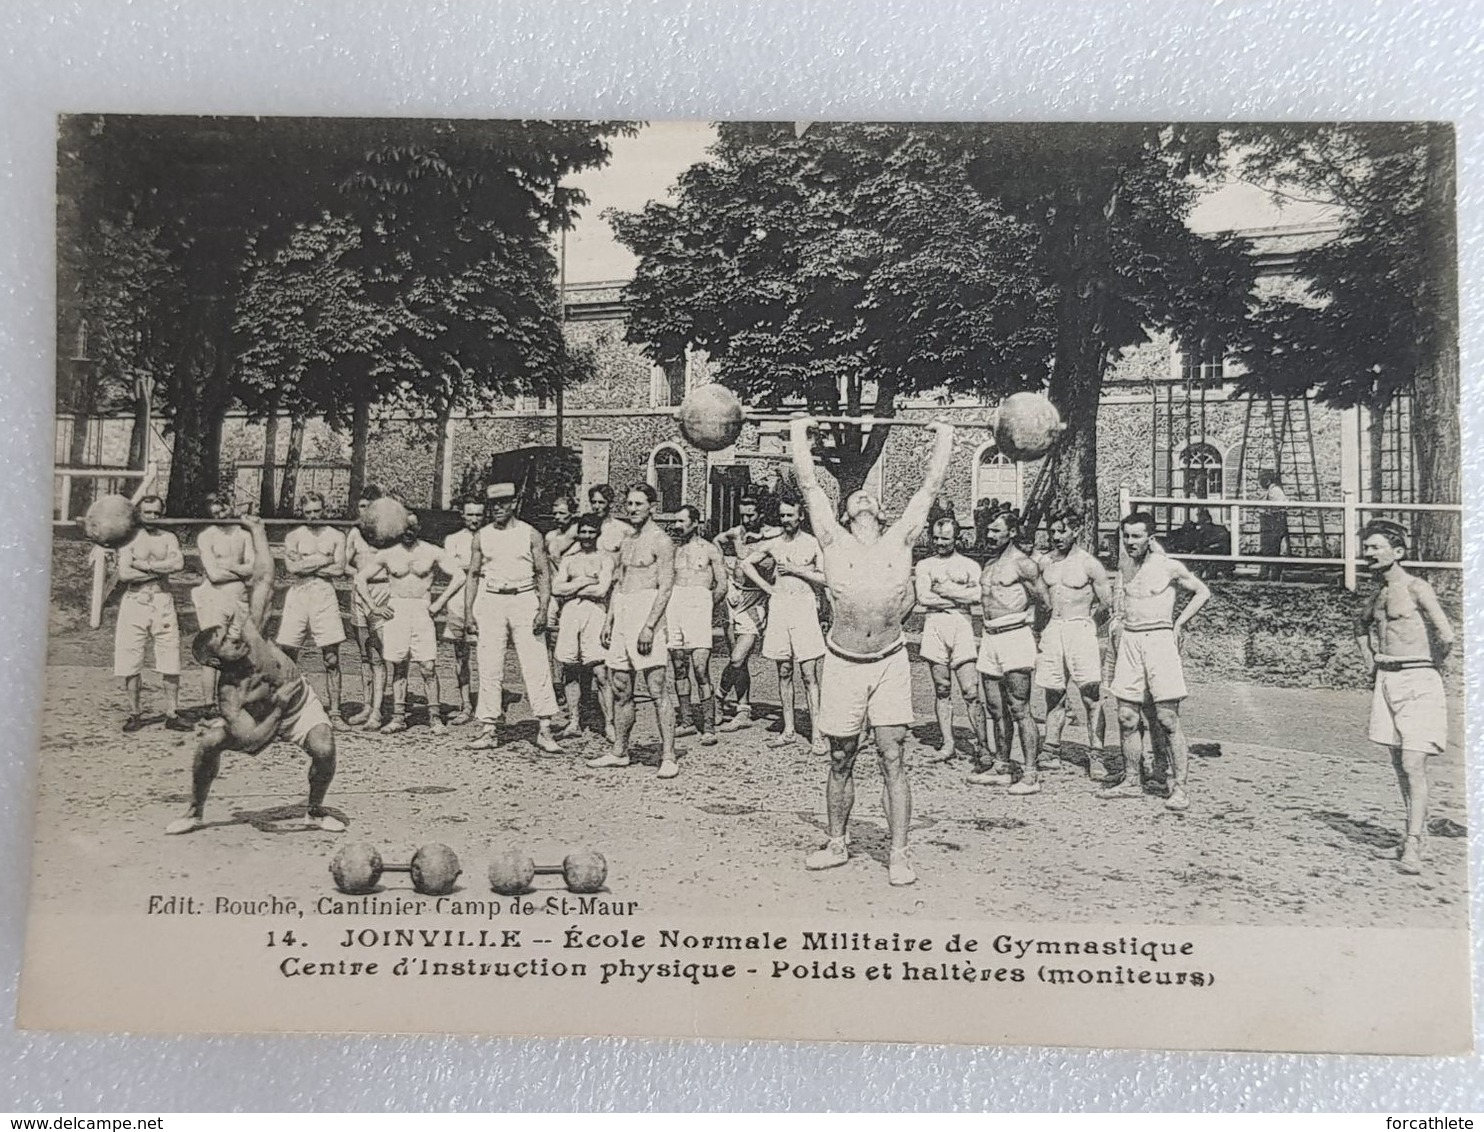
x=866 y=677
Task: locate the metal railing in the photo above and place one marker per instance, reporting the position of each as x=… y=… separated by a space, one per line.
x=1350 y=509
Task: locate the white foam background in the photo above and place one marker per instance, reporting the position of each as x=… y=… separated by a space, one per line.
x=791 y=59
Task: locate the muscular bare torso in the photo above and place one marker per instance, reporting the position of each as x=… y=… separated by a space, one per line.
x=1003 y=584
x=410 y=570
x=870 y=590
x=304 y=542
x=1148 y=591
x=694 y=563
x=228 y=546
x=1069 y=580
x=641 y=557
x=148 y=547
x=1395 y=619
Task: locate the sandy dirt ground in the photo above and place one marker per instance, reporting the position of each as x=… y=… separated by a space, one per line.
x=1289 y=804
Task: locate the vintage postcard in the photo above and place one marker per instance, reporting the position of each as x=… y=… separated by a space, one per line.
x=985 y=583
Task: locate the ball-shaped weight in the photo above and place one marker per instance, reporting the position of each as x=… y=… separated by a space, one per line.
x=434 y=870
x=110 y=521
x=356 y=868
x=511 y=872
x=711 y=417
x=384 y=522
x=1027 y=425
x=585 y=871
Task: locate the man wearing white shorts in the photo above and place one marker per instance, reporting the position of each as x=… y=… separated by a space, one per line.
x=634 y=632
x=1070 y=653
x=147 y=613
x=410 y=635
x=865 y=677
x=1405 y=635
x=459 y=547
x=947 y=586
x=510 y=605
x=1148 y=664
x=226 y=562
x=313 y=554
x=583 y=581
x=1009 y=586
x=365 y=622
x=792 y=636
x=700 y=586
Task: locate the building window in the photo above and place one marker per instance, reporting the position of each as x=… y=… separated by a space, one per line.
x=1201 y=466
x=667 y=474
x=996 y=476
x=1203 y=369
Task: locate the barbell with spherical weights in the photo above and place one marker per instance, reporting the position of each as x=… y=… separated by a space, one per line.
x=358 y=868
x=512 y=871
x=711 y=418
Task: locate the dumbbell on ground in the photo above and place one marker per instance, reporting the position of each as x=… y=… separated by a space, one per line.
x=358 y=868
x=512 y=871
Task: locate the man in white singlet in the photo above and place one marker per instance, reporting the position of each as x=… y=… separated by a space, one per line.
x=700 y=586
x=1080 y=594
x=313 y=554
x=1148 y=665
x=866 y=677
x=510 y=605
x=459 y=547
x=1009 y=586
x=635 y=634
x=226 y=563
x=583 y=581
x=947 y=586
x=792 y=636
x=410 y=635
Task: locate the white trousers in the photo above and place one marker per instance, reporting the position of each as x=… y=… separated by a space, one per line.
x=503 y=618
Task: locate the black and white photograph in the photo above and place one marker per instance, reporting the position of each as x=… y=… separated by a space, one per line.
x=957 y=582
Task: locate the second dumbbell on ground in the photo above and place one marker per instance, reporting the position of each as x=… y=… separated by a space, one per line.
x=512 y=871
x=357 y=869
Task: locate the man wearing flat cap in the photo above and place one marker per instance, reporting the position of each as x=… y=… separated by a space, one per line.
x=509 y=604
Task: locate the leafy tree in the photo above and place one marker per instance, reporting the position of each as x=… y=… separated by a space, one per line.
x=853 y=266
x=1381 y=311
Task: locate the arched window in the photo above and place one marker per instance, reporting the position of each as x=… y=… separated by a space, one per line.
x=996 y=476
x=1201 y=465
x=667 y=474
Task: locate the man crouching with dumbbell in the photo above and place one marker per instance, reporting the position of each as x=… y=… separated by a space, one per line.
x=262 y=696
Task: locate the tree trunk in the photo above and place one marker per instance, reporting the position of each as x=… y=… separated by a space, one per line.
x=289 y=493
x=267 y=499
x=1435 y=424
x=440 y=453
x=139 y=432
x=360 y=435
x=1069 y=477
x=200 y=411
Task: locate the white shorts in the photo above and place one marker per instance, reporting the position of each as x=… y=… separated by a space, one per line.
x=146 y=615
x=1409 y=710
x=580 y=636
x=216 y=605
x=310 y=609
x=296 y=726
x=1010 y=650
x=948 y=638
x=630 y=611
x=854 y=692
x=689 y=618
x=361 y=617
x=410 y=633
x=1148 y=664
x=1069 y=647
x=792 y=631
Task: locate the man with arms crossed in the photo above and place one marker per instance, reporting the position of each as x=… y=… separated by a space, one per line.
x=262 y=696
x=226 y=562
x=747 y=609
x=947 y=586
x=700 y=584
x=1008 y=586
x=1405 y=636
x=410 y=635
x=1148 y=664
x=583 y=581
x=510 y=605
x=634 y=633
x=792 y=635
x=366 y=621
x=866 y=677
x=1076 y=581
x=459 y=547
x=147 y=613
x=313 y=554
